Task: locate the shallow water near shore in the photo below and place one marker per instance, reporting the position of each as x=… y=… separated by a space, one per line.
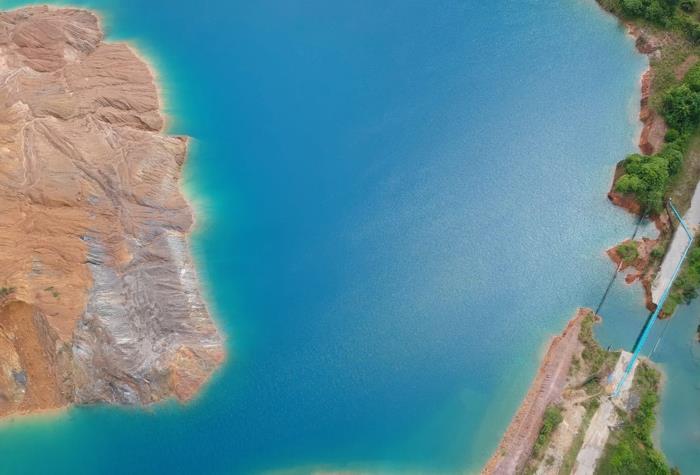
x=399 y=203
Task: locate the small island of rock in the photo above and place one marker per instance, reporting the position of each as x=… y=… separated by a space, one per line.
x=99 y=299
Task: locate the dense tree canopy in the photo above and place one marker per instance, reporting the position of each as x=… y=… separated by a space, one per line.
x=646 y=176
x=681 y=107
x=657 y=11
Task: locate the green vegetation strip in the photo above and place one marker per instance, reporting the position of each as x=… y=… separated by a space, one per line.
x=685 y=287
x=597 y=359
x=552 y=418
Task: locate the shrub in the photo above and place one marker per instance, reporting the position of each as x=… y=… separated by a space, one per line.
x=681 y=108
x=629 y=184
x=628 y=251
x=633 y=7
x=646 y=176
x=671 y=135
x=658 y=252
x=674 y=160
x=685 y=287
x=692 y=30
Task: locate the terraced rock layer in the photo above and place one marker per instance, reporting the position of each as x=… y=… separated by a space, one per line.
x=99 y=300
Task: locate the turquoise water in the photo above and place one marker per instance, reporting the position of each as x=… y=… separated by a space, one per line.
x=399 y=202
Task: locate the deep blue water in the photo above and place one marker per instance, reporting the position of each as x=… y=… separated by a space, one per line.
x=398 y=203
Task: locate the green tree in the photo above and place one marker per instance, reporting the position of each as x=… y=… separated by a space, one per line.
x=681 y=107
x=628 y=251
x=674 y=160
x=629 y=184
x=688 y=6
x=633 y=7
x=692 y=78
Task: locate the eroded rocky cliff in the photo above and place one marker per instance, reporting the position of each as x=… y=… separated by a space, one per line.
x=99 y=299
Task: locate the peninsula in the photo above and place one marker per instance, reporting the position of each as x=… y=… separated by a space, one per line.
x=99 y=299
x=572 y=422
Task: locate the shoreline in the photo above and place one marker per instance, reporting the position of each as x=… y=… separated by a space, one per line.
x=650 y=140
x=672 y=55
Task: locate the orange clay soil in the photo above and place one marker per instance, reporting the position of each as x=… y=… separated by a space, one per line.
x=27 y=371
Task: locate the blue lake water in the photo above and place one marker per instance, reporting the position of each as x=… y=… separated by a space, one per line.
x=399 y=202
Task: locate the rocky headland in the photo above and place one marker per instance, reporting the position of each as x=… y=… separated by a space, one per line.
x=99 y=299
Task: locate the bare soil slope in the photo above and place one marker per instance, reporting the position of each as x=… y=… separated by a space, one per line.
x=99 y=299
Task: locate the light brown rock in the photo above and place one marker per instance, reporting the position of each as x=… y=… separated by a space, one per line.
x=93 y=227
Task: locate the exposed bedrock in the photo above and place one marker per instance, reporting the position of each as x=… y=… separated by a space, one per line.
x=93 y=227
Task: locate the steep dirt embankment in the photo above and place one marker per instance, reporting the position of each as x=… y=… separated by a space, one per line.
x=99 y=299
x=654 y=128
x=551 y=379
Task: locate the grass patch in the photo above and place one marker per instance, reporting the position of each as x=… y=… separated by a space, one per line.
x=628 y=252
x=659 y=250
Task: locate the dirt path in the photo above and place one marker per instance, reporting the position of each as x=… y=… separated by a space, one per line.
x=548 y=386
